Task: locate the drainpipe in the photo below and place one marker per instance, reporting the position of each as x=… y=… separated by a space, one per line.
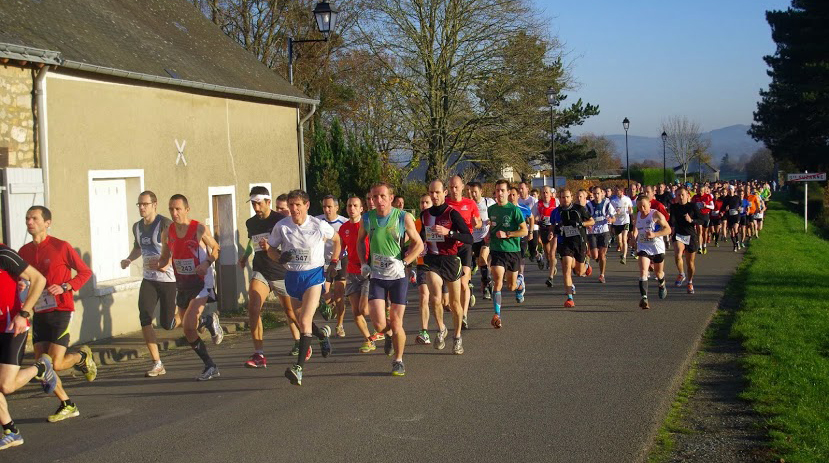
x=42 y=138
x=302 y=182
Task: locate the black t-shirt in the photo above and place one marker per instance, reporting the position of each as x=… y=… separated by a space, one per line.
x=261 y=228
x=732 y=203
x=680 y=226
x=573 y=216
x=11 y=261
x=665 y=198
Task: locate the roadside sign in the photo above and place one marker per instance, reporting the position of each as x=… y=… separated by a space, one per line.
x=808 y=177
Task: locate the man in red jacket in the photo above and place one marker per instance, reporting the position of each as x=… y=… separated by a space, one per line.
x=56 y=259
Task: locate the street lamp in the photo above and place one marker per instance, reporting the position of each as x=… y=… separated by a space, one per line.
x=664 y=162
x=326 y=19
x=552 y=100
x=626 y=125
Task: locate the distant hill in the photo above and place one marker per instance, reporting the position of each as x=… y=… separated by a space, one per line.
x=732 y=140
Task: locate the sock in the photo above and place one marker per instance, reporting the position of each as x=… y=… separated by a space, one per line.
x=259 y=351
x=316 y=331
x=496 y=302
x=10 y=427
x=67 y=403
x=661 y=281
x=643 y=287
x=484 y=275
x=569 y=296
x=734 y=239
x=82 y=360
x=304 y=344
x=157 y=363
x=41 y=369
x=201 y=350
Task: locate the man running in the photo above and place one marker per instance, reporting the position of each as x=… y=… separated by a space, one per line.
x=685 y=218
x=506 y=228
x=335 y=286
x=444 y=234
x=541 y=214
x=570 y=220
x=621 y=223
x=55 y=259
x=514 y=196
x=732 y=204
x=468 y=209
x=480 y=236
x=191 y=248
x=598 y=236
x=298 y=242
x=527 y=200
x=649 y=227
x=157 y=288
x=420 y=279
x=356 y=285
x=705 y=203
x=14 y=329
x=387 y=228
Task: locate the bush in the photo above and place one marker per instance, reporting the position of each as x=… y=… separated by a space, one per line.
x=649 y=175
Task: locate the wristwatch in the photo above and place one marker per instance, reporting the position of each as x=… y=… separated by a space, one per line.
x=66 y=287
x=24 y=314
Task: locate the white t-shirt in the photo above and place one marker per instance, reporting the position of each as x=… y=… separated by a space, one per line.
x=307 y=242
x=622 y=204
x=529 y=202
x=329 y=245
x=478 y=234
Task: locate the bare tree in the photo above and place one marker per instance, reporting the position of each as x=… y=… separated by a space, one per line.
x=685 y=141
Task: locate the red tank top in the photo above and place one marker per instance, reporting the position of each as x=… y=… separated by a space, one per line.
x=544 y=212
x=186 y=257
x=435 y=244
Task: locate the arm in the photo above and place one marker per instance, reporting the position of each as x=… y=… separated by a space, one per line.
x=415 y=243
x=83 y=272
x=134 y=254
x=587 y=220
x=12 y=263
x=212 y=245
x=248 y=251
x=361 y=244
x=461 y=231
x=664 y=230
x=164 y=259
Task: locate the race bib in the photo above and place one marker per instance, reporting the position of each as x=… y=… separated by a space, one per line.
x=45 y=302
x=545 y=221
x=185 y=266
x=149 y=262
x=733 y=212
x=741 y=210
x=570 y=231
x=643 y=238
x=432 y=236
x=684 y=239
x=256 y=239
x=382 y=262
x=301 y=256
x=701 y=204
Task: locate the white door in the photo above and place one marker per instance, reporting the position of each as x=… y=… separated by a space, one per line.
x=110 y=228
x=24 y=189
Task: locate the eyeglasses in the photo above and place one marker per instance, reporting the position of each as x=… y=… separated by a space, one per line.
x=143 y=204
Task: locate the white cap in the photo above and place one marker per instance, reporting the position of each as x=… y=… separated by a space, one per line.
x=258 y=198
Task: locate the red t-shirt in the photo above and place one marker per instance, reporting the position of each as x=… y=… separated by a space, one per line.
x=703 y=201
x=348 y=234
x=655 y=204
x=467 y=208
x=11 y=266
x=56 y=259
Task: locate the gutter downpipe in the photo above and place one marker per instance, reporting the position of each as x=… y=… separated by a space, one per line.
x=42 y=137
x=302 y=181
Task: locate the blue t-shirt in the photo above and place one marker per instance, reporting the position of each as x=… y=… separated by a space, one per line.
x=525 y=211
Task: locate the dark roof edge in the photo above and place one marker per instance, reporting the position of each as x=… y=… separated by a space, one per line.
x=32 y=55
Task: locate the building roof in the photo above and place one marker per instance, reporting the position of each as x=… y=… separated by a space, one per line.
x=165 y=41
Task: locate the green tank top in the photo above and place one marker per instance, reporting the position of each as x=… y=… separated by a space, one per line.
x=385 y=237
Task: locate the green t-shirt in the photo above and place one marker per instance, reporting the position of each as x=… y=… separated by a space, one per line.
x=507 y=218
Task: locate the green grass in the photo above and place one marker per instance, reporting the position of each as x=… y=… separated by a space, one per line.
x=783 y=323
x=664 y=442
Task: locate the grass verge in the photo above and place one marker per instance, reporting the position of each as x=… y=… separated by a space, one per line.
x=664 y=442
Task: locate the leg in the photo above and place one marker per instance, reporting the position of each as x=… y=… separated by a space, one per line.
x=567 y=265
x=339 y=302
x=287 y=307
x=602 y=260
x=465 y=291
x=692 y=266
x=191 y=322
x=679 y=251
x=59 y=361
x=497 y=284
x=148 y=297
x=434 y=285
x=257 y=293
x=399 y=338
x=455 y=303
x=423 y=292
x=359 y=309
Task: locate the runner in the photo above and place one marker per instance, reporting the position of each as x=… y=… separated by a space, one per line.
x=514 y=196
x=649 y=226
x=468 y=209
x=570 y=219
x=506 y=228
x=705 y=203
x=621 y=224
x=598 y=237
x=386 y=228
x=298 y=242
x=445 y=234
x=541 y=214
x=334 y=287
x=685 y=220
x=186 y=247
x=760 y=213
x=420 y=280
x=55 y=259
x=754 y=207
x=15 y=331
x=480 y=236
x=732 y=204
x=715 y=217
x=356 y=286
x=528 y=201
x=157 y=288
x=583 y=268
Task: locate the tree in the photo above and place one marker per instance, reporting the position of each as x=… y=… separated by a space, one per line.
x=603 y=157
x=761 y=165
x=322 y=170
x=685 y=141
x=792 y=117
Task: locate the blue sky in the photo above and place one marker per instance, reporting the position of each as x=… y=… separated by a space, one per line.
x=647 y=60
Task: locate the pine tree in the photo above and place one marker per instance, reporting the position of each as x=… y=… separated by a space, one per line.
x=323 y=177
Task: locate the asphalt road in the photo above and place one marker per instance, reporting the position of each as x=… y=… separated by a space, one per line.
x=589 y=384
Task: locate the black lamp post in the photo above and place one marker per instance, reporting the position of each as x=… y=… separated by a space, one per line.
x=552 y=100
x=326 y=19
x=664 y=162
x=626 y=125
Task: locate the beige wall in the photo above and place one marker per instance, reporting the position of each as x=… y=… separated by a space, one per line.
x=104 y=126
x=16 y=116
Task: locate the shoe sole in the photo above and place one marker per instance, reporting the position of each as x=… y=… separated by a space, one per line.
x=248 y=365
x=12 y=444
x=153 y=375
x=394 y=373
x=91 y=366
x=216 y=375
x=293 y=379
x=63 y=417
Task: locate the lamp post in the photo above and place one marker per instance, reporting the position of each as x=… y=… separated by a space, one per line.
x=664 y=161
x=626 y=125
x=326 y=19
x=552 y=100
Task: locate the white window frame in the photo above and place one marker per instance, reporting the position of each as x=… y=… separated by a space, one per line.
x=223 y=190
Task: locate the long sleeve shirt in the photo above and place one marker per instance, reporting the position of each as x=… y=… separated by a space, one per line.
x=56 y=259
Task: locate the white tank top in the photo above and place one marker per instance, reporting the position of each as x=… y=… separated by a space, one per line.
x=651 y=246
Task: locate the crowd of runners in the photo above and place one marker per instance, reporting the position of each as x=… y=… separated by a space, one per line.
x=367 y=260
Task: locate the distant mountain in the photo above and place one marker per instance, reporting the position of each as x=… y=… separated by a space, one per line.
x=733 y=140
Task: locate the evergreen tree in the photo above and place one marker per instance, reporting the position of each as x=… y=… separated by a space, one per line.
x=323 y=176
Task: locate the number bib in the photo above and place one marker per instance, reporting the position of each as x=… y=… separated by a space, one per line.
x=432 y=236
x=149 y=261
x=301 y=256
x=255 y=239
x=569 y=231
x=545 y=221
x=382 y=262
x=185 y=266
x=684 y=239
x=733 y=212
x=45 y=302
x=642 y=238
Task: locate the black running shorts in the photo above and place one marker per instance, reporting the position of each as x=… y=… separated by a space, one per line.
x=465 y=253
x=598 y=240
x=545 y=232
x=574 y=248
x=12 y=348
x=446 y=267
x=155 y=292
x=617 y=229
x=511 y=261
x=184 y=296
x=477 y=247
x=656 y=258
x=52 y=327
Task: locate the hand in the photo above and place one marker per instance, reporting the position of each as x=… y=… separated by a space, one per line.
x=286 y=256
x=242 y=261
x=650 y=235
x=550 y=237
x=365 y=270
x=441 y=230
x=263 y=244
x=54 y=290
x=19 y=324
x=501 y=234
x=332 y=271
x=530 y=236
x=125 y=263
x=201 y=269
x=688 y=218
x=22 y=285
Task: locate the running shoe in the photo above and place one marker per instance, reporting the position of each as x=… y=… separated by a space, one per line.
x=325 y=347
x=643 y=303
x=457 y=346
x=295 y=349
x=540 y=262
x=690 y=288
x=257 y=360
x=326 y=331
x=397 y=368
x=63 y=412
x=388 y=347
x=663 y=292
x=549 y=282
x=440 y=339
x=326 y=310
x=679 y=279
x=601 y=279
x=487 y=292
x=472 y=300
x=367 y=347
x=217 y=334
x=569 y=303
x=465 y=323
x=49 y=379
x=496 y=321
x=423 y=338
x=340 y=331
x=622 y=260
x=209 y=372
x=589 y=270
x=573 y=290
x=156 y=370
x=735 y=248
x=377 y=336
x=474 y=269
x=88 y=366
x=308 y=354
x=294 y=374
x=10 y=439
x=699 y=251
x=519 y=296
